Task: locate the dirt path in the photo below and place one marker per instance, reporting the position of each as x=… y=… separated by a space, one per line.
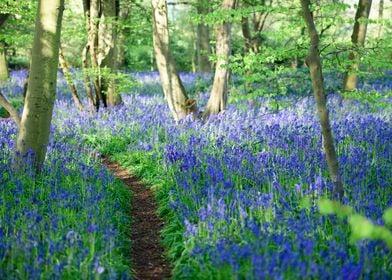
x=147 y=256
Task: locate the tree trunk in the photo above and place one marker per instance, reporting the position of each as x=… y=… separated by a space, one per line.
x=10 y=109
x=358 y=40
x=3 y=62
x=218 y=98
x=380 y=18
x=246 y=34
x=314 y=64
x=25 y=86
x=124 y=13
x=95 y=10
x=172 y=86
x=37 y=113
x=203 y=41
x=92 y=10
x=87 y=81
x=68 y=79
x=107 y=46
x=3 y=66
x=101 y=17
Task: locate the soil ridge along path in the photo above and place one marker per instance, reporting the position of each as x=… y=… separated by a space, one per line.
x=147 y=253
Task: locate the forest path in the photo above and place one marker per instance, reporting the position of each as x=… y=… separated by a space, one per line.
x=147 y=253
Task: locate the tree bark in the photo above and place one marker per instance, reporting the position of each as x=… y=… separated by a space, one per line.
x=203 y=41
x=218 y=98
x=10 y=109
x=37 y=113
x=92 y=10
x=171 y=83
x=4 y=75
x=314 y=64
x=68 y=79
x=95 y=10
x=101 y=17
x=380 y=18
x=124 y=13
x=246 y=34
x=3 y=66
x=25 y=86
x=87 y=81
x=107 y=46
x=358 y=40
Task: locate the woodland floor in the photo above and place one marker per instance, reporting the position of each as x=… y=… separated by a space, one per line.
x=147 y=253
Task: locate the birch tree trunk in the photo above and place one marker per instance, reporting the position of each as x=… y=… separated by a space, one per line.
x=218 y=98
x=313 y=62
x=37 y=113
x=171 y=83
x=358 y=40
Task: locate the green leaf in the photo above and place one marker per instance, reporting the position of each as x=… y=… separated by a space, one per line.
x=388 y=216
x=327 y=207
x=361 y=227
x=305 y=203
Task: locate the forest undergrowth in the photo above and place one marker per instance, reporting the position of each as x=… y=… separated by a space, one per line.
x=239 y=194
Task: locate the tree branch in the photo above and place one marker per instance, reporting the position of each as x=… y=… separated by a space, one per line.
x=10 y=109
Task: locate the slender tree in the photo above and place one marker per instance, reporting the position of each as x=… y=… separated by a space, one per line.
x=252 y=39
x=68 y=79
x=3 y=65
x=171 y=83
x=37 y=113
x=101 y=17
x=108 y=49
x=3 y=62
x=218 y=98
x=313 y=62
x=203 y=39
x=358 y=40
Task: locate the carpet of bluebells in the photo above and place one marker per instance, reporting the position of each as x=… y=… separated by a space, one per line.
x=68 y=222
x=239 y=192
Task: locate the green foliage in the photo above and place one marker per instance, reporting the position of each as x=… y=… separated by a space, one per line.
x=374 y=99
x=361 y=227
x=17 y=33
x=135 y=36
x=73 y=33
x=20 y=7
x=387 y=217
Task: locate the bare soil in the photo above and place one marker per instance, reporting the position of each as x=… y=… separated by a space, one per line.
x=147 y=253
